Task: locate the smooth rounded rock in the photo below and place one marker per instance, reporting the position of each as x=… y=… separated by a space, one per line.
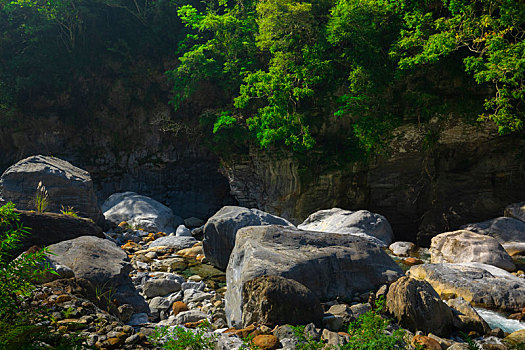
x=466 y=246
x=402 y=248
x=509 y=232
x=359 y=222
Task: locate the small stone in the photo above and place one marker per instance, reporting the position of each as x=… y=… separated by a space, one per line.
x=412 y=261
x=182 y=231
x=62 y=298
x=266 y=341
x=195 y=278
x=132 y=339
x=179 y=306
x=427 y=342
x=123 y=224
x=138 y=319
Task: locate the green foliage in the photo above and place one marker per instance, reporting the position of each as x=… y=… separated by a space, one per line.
x=472 y=345
x=41 y=198
x=304 y=343
x=19 y=327
x=368 y=332
x=489 y=34
x=184 y=339
x=69 y=211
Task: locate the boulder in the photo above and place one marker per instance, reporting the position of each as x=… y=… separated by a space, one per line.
x=470 y=320
x=51 y=228
x=402 y=248
x=102 y=263
x=140 y=212
x=160 y=287
x=359 y=222
x=480 y=284
x=274 y=300
x=417 y=306
x=509 y=232
x=516 y=211
x=466 y=246
x=221 y=229
x=66 y=185
x=331 y=265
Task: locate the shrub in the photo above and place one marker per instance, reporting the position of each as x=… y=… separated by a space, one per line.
x=184 y=339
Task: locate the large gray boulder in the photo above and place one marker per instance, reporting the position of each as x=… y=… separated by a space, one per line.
x=466 y=246
x=509 y=232
x=67 y=186
x=516 y=211
x=331 y=265
x=140 y=211
x=221 y=229
x=417 y=306
x=102 y=263
x=479 y=284
x=174 y=242
x=361 y=222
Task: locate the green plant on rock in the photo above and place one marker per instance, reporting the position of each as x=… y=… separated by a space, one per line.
x=304 y=343
x=41 y=198
x=184 y=339
x=369 y=332
x=69 y=211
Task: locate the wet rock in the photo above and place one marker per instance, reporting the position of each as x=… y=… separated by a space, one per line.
x=417 y=306
x=66 y=185
x=465 y=246
x=310 y=258
x=359 y=222
x=274 y=300
x=140 y=212
x=221 y=229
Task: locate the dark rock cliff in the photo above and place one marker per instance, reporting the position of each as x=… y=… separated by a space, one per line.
x=423 y=186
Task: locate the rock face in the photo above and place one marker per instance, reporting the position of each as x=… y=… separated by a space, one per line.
x=417 y=306
x=465 y=246
x=329 y=264
x=140 y=211
x=516 y=211
x=337 y=220
x=479 y=284
x=50 y=228
x=66 y=185
x=509 y=232
x=101 y=262
x=421 y=193
x=221 y=229
x=274 y=300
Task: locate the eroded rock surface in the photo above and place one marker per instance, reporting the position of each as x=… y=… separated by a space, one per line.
x=509 y=232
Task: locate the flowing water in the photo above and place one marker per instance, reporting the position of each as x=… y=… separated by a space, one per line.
x=498 y=320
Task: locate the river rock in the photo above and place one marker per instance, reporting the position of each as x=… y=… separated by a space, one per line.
x=140 y=211
x=66 y=185
x=160 y=287
x=221 y=229
x=466 y=246
x=359 y=222
x=274 y=300
x=516 y=211
x=470 y=319
x=101 y=262
x=479 y=284
x=174 y=242
x=417 y=306
x=329 y=264
x=509 y=232
x=402 y=248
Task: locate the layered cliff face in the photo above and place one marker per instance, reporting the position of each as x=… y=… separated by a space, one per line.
x=123 y=147
x=430 y=182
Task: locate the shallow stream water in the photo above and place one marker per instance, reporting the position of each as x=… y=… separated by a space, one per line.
x=498 y=320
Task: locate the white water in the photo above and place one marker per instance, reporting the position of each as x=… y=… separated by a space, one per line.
x=498 y=320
